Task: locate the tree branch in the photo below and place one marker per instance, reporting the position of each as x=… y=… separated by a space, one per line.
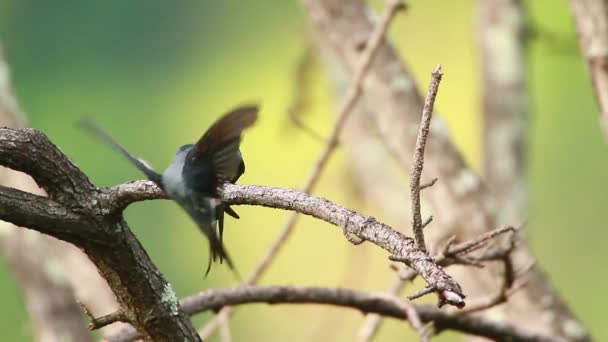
x=29 y=151
x=78 y=213
x=380 y=303
x=362 y=226
x=418 y=164
x=39 y=213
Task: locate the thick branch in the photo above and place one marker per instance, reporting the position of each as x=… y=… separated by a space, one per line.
x=365 y=302
x=81 y=214
x=50 y=297
x=39 y=213
x=30 y=151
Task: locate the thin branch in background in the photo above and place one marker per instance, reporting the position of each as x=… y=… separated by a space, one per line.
x=300 y=93
x=380 y=303
x=452 y=251
x=591 y=19
x=372 y=323
x=225 y=334
x=374 y=42
x=414 y=319
x=418 y=162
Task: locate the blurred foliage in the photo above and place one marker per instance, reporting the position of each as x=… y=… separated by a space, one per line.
x=155 y=74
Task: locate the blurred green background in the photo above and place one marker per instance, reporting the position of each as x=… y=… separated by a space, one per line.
x=157 y=73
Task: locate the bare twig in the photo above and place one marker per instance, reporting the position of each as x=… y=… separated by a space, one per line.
x=450 y=255
x=418 y=163
x=509 y=284
x=346 y=107
x=300 y=93
x=100 y=322
x=477 y=243
x=429 y=184
x=420 y=293
x=380 y=303
x=427 y=221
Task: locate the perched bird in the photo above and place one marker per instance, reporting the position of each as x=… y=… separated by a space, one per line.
x=196 y=171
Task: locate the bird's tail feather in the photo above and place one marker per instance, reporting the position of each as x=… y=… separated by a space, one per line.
x=205 y=216
x=217 y=251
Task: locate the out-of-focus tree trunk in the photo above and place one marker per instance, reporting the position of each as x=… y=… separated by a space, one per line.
x=51 y=274
x=502 y=33
x=460 y=202
x=591 y=19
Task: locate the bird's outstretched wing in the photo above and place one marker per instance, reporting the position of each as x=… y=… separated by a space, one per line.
x=214 y=157
x=102 y=135
x=220 y=144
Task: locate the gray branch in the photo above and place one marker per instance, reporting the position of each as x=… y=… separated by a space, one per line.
x=352 y=223
x=380 y=303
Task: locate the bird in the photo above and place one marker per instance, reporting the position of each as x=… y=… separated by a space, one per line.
x=197 y=170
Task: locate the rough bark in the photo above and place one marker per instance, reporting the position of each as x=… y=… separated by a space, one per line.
x=87 y=217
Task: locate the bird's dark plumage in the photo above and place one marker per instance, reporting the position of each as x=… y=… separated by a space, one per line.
x=197 y=170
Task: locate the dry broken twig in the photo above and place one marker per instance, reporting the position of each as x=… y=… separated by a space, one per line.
x=451 y=254
x=418 y=163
